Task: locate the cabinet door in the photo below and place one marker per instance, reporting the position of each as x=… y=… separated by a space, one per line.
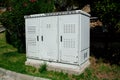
x=31 y=37
x=48 y=45
x=68 y=38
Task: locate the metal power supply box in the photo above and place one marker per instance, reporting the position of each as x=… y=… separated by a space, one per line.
x=60 y=39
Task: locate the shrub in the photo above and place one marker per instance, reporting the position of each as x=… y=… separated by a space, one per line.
x=13 y=19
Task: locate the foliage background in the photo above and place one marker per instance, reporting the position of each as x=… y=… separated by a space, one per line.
x=13 y=18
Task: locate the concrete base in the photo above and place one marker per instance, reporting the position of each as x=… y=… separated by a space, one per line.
x=66 y=68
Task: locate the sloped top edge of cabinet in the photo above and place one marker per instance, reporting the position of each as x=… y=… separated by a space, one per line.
x=57 y=14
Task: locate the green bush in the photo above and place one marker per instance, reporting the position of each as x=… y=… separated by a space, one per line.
x=13 y=19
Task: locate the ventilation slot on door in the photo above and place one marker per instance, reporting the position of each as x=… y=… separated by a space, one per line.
x=85 y=55
x=48 y=26
x=69 y=43
x=32 y=41
x=31 y=29
x=69 y=28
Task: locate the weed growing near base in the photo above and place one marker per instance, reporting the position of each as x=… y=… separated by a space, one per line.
x=43 y=68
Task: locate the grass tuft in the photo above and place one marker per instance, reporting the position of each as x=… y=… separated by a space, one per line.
x=43 y=68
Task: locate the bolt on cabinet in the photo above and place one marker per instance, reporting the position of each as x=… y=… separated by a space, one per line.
x=61 y=37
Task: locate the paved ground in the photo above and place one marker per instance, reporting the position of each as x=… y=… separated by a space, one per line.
x=10 y=75
x=6 y=78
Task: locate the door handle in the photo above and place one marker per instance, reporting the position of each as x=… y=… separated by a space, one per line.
x=61 y=38
x=37 y=38
x=41 y=38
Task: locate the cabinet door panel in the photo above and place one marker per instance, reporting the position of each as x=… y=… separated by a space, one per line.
x=48 y=44
x=68 y=38
x=31 y=38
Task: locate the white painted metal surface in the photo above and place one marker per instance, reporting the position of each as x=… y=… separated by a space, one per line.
x=61 y=37
x=68 y=42
x=48 y=45
x=85 y=32
x=32 y=25
x=84 y=39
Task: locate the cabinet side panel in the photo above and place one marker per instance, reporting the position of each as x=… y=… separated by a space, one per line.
x=85 y=32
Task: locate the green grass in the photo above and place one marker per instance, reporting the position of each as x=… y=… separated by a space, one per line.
x=12 y=60
x=9 y=57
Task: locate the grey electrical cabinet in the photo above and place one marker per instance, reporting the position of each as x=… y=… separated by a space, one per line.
x=59 y=38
